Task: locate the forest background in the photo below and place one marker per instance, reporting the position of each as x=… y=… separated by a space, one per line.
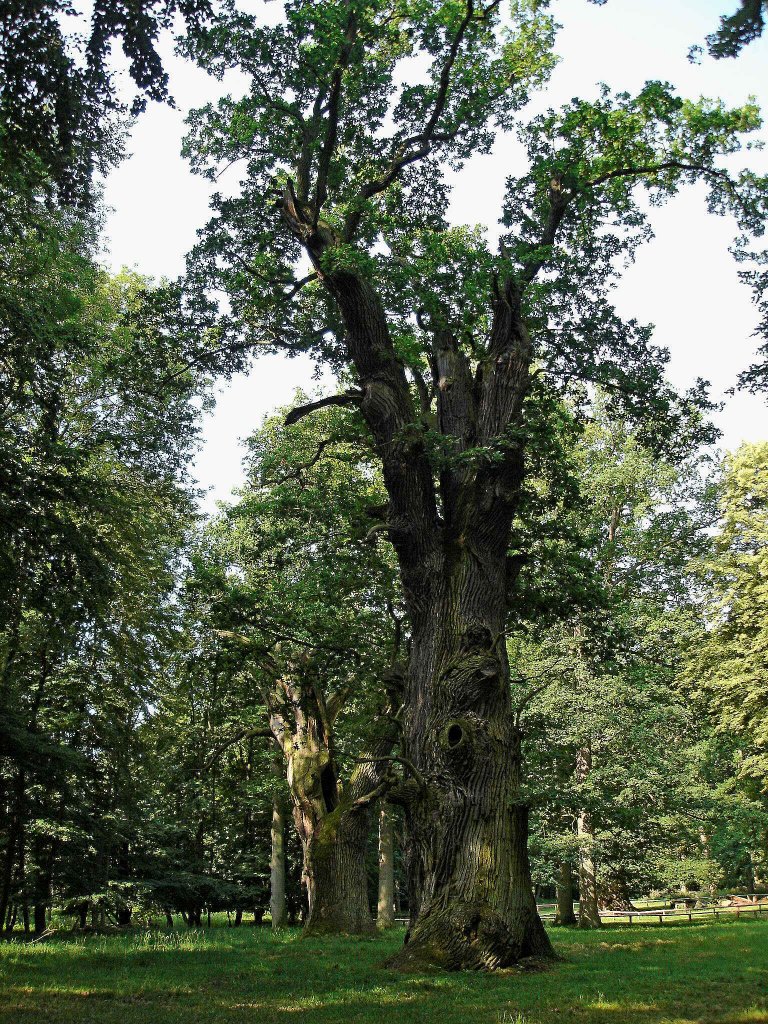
x=169 y=683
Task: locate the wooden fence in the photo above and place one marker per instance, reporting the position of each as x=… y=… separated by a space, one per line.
x=666 y=913
x=548 y=911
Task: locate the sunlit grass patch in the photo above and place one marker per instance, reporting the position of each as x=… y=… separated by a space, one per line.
x=188 y=940
x=752 y=1015
x=716 y=974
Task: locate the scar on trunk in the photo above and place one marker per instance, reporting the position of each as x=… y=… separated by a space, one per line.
x=455 y=734
x=329 y=787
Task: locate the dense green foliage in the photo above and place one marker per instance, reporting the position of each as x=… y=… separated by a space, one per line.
x=59 y=103
x=98 y=424
x=658 y=792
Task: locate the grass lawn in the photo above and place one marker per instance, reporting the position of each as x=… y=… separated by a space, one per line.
x=669 y=974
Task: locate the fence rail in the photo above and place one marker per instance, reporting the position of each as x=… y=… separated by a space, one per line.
x=662 y=914
x=548 y=912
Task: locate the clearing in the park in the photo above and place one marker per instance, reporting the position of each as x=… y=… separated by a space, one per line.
x=705 y=973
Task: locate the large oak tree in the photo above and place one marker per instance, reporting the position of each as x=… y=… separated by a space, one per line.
x=337 y=242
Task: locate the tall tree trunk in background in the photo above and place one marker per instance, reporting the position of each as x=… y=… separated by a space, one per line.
x=385 y=917
x=759 y=862
x=7 y=875
x=589 y=912
x=613 y=891
x=706 y=852
x=21 y=862
x=565 y=914
x=14 y=841
x=43 y=856
x=333 y=821
x=123 y=866
x=277 y=907
x=39 y=918
x=750 y=873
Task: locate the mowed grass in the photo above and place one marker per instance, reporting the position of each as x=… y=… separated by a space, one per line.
x=669 y=974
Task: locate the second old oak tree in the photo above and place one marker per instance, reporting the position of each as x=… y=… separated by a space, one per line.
x=337 y=243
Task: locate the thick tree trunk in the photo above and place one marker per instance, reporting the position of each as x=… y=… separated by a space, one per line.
x=385 y=917
x=472 y=902
x=333 y=833
x=706 y=852
x=337 y=883
x=9 y=861
x=613 y=892
x=14 y=850
x=277 y=907
x=39 y=918
x=334 y=836
x=565 y=914
x=332 y=820
x=589 y=912
x=758 y=861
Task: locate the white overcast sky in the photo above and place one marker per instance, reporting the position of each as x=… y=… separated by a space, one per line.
x=684 y=282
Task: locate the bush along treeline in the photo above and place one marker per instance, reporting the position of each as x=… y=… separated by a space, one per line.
x=489 y=619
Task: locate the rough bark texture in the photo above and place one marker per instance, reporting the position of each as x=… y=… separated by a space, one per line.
x=333 y=821
x=336 y=876
x=589 y=912
x=277 y=906
x=469 y=880
x=385 y=917
x=565 y=912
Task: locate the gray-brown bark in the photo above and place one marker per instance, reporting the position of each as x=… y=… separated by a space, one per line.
x=465 y=838
x=336 y=877
x=613 y=891
x=332 y=820
x=565 y=913
x=385 y=917
x=589 y=911
x=277 y=906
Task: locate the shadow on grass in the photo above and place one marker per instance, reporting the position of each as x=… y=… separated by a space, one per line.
x=714 y=973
